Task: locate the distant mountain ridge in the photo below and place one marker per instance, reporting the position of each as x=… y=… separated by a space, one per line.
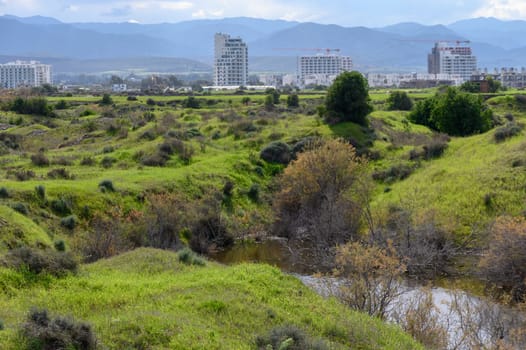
x=398 y=47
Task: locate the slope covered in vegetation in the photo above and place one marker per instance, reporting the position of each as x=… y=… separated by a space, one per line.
x=151 y=299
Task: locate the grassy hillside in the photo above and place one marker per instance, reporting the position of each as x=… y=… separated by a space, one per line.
x=148 y=299
x=475 y=180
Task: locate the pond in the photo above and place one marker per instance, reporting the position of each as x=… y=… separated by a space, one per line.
x=468 y=320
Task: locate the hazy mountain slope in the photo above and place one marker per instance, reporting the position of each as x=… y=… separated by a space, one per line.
x=506 y=34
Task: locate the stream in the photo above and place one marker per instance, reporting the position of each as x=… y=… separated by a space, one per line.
x=469 y=321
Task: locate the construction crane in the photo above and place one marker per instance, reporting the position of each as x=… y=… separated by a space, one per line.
x=327 y=51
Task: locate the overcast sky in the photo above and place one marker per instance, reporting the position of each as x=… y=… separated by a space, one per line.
x=343 y=12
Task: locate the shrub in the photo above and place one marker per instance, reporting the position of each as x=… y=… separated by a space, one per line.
x=40 y=192
x=150 y=102
x=4 y=193
x=106 y=100
x=276 y=152
x=41 y=261
x=60 y=173
x=61 y=206
x=131 y=98
x=20 y=207
x=87 y=161
x=62 y=161
x=156 y=159
x=253 y=192
x=107 y=162
x=39 y=159
x=148 y=135
x=42 y=332
x=188 y=257
x=60 y=245
x=399 y=101
x=107 y=185
x=228 y=188
x=288 y=337
x=62 y=104
x=293 y=101
x=191 y=102
x=108 y=149
x=394 y=173
x=1 y=325
x=69 y=222
x=509 y=130
x=24 y=175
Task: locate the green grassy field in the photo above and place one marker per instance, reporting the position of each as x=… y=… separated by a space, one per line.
x=147 y=299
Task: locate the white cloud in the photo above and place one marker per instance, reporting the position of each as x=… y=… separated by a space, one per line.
x=175 y=5
x=503 y=9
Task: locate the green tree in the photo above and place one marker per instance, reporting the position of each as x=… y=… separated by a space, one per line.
x=106 y=100
x=470 y=86
x=293 y=101
x=399 y=101
x=460 y=114
x=348 y=98
x=494 y=85
x=454 y=113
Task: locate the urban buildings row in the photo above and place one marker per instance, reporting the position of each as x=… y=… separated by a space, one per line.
x=508 y=77
x=24 y=74
x=231 y=64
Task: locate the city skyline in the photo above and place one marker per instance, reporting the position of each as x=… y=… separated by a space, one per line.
x=340 y=12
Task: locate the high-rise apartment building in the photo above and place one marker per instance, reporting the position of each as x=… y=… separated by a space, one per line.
x=21 y=73
x=323 y=64
x=452 y=59
x=230 y=61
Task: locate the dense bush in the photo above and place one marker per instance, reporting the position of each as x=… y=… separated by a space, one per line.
x=188 y=257
x=43 y=333
x=454 y=113
x=32 y=105
x=394 y=173
x=41 y=261
x=399 y=100
x=69 y=222
x=24 y=175
x=288 y=337
x=276 y=152
x=39 y=159
x=191 y=102
x=107 y=185
x=434 y=149
x=87 y=161
x=20 y=207
x=293 y=101
x=40 y=191
x=509 y=130
x=4 y=193
x=107 y=162
x=60 y=173
x=106 y=100
x=61 y=206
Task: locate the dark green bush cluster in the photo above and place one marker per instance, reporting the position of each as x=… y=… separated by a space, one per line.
x=87 y=161
x=24 y=175
x=60 y=173
x=277 y=152
x=4 y=193
x=20 y=207
x=107 y=185
x=41 y=261
x=399 y=101
x=168 y=148
x=241 y=128
x=39 y=159
x=191 y=102
x=188 y=257
x=61 y=206
x=69 y=222
x=431 y=150
x=293 y=101
x=107 y=162
x=453 y=112
x=288 y=337
x=40 y=191
x=41 y=332
x=509 y=130
x=394 y=173
x=32 y=105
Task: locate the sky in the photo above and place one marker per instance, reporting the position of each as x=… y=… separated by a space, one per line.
x=371 y=13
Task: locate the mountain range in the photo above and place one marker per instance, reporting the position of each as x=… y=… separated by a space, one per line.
x=273 y=44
